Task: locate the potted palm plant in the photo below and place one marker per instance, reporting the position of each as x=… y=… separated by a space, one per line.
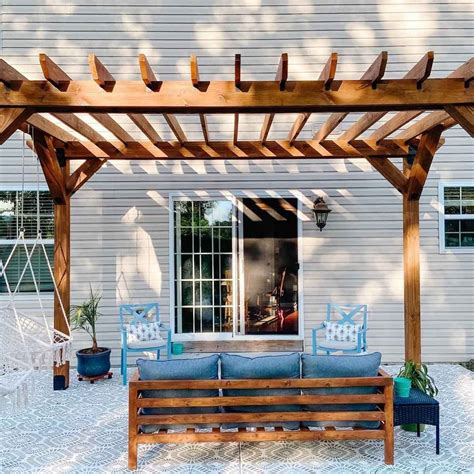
x=418 y=375
x=91 y=361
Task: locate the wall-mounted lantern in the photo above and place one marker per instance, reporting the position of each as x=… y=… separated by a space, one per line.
x=321 y=211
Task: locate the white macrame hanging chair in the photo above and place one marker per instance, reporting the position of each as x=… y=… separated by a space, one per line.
x=16 y=369
x=45 y=344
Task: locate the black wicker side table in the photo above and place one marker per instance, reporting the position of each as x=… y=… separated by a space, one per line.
x=418 y=408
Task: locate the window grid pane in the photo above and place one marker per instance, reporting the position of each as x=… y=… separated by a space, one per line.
x=459 y=201
x=200 y=226
x=19 y=208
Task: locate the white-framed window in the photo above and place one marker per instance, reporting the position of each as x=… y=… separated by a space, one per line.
x=456 y=216
x=235 y=267
x=20 y=208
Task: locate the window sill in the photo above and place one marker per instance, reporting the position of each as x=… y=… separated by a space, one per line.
x=457 y=250
x=239 y=345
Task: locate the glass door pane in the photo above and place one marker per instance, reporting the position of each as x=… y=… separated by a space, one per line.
x=203 y=266
x=269 y=266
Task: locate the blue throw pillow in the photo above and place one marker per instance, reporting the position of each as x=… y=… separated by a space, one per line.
x=264 y=367
x=205 y=368
x=341 y=366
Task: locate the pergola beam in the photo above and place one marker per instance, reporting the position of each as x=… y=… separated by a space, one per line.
x=425 y=124
x=148 y=76
x=175 y=127
x=465 y=72
x=113 y=127
x=10 y=77
x=11 y=120
x=100 y=74
x=464 y=116
x=327 y=75
x=255 y=97
x=420 y=72
x=145 y=127
x=251 y=150
x=237 y=81
x=281 y=78
x=374 y=74
x=53 y=73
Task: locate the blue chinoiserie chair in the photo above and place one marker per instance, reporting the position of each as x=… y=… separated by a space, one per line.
x=141 y=330
x=345 y=330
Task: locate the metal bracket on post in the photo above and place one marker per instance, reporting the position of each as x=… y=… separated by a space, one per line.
x=411 y=155
x=61 y=156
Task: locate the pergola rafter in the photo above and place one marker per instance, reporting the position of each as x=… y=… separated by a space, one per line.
x=447 y=101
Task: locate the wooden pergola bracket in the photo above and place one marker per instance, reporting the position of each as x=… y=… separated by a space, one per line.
x=390 y=172
x=422 y=163
x=82 y=174
x=49 y=163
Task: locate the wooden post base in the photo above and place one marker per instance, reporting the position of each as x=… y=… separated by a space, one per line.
x=61 y=377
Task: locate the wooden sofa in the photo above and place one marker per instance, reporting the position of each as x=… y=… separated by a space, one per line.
x=383 y=399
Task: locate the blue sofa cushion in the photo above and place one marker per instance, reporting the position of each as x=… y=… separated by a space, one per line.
x=263 y=367
x=334 y=366
x=205 y=368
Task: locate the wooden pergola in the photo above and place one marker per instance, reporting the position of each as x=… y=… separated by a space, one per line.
x=447 y=101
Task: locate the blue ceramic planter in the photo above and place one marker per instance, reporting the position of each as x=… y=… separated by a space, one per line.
x=91 y=365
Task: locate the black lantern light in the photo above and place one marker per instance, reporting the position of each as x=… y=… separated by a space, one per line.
x=321 y=211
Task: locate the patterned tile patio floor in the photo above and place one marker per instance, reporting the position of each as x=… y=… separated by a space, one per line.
x=84 y=430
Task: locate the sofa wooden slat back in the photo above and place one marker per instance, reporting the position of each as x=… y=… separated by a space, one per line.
x=383 y=399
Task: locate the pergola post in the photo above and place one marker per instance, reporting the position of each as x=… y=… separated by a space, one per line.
x=416 y=173
x=62 y=275
x=411 y=271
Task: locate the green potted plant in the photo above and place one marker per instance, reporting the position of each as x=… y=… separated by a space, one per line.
x=91 y=361
x=420 y=379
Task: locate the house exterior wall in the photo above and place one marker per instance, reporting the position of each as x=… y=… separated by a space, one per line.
x=121 y=219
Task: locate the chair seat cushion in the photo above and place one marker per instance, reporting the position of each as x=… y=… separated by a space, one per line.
x=343 y=366
x=264 y=367
x=153 y=344
x=339 y=345
x=204 y=368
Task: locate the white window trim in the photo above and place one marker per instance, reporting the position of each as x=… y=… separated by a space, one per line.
x=233 y=196
x=442 y=217
x=26 y=187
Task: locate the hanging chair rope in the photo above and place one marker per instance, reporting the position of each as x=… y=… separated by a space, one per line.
x=47 y=345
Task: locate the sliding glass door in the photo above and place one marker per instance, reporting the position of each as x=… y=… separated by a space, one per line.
x=236 y=267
